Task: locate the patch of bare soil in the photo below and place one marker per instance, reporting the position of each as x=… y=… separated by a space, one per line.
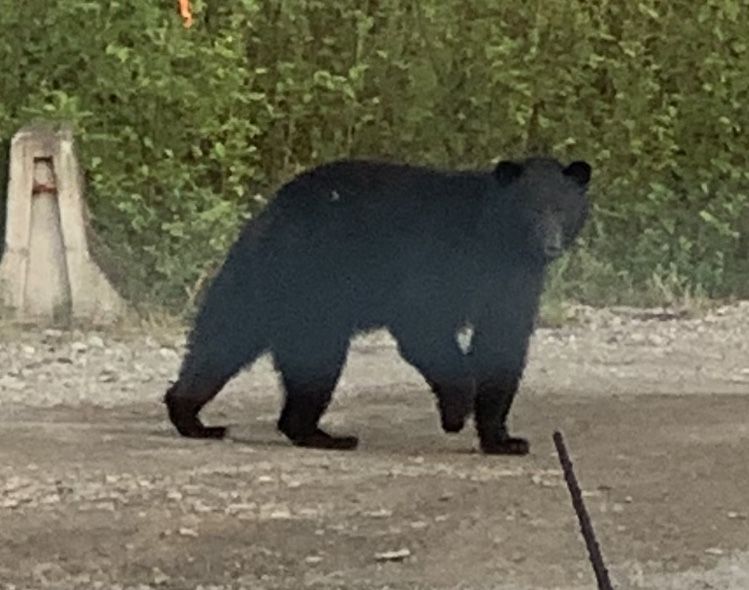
x=97 y=491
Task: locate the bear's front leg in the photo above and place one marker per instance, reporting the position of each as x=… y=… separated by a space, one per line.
x=500 y=347
x=454 y=402
x=494 y=397
x=429 y=346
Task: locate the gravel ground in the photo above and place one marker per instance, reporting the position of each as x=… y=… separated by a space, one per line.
x=96 y=491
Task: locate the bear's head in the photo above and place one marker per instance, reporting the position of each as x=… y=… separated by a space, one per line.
x=548 y=203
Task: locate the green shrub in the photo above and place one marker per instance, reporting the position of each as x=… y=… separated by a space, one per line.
x=179 y=130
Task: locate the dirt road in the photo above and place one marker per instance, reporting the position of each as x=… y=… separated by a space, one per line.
x=97 y=491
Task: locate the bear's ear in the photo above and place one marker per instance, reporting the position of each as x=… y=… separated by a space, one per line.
x=507 y=171
x=579 y=171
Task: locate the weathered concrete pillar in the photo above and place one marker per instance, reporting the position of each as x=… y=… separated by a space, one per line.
x=46 y=273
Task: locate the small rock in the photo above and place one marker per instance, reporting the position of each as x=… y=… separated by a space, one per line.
x=312 y=559
x=281 y=514
x=168 y=353
x=48 y=573
x=397 y=555
x=96 y=342
x=714 y=551
x=78 y=347
x=12 y=383
x=265 y=479
x=656 y=340
x=13 y=483
x=200 y=507
x=308 y=512
x=187 y=532
x=107 y=376
x=237 y=508
x=51 y=499
x=159 y=577
x=736 y=515
x=637 y=338
x=382 y=513
x=517 y=557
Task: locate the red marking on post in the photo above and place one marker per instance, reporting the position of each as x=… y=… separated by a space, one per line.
x=41 y=187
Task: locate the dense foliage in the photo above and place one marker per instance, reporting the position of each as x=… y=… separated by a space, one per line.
x=181 y=129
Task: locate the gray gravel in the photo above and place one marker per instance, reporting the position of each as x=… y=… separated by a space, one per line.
x=619 y=351
x=612 y=351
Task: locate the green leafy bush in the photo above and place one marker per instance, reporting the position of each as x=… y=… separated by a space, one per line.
x=180 y=129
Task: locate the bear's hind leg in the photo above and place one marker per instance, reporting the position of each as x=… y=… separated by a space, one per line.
x=199 y=382
x=309 y=378
x=184 y=400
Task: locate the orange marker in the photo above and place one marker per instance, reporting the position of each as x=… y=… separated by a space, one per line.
x=185 y=12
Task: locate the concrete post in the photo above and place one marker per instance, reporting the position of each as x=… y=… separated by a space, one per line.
x=46 y=273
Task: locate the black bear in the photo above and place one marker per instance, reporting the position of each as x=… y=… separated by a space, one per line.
x=355 y=245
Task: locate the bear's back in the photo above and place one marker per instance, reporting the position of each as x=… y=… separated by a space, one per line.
x=358 y=231
x=375 y=198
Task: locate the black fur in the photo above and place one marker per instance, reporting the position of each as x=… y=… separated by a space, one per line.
x=355 y=245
